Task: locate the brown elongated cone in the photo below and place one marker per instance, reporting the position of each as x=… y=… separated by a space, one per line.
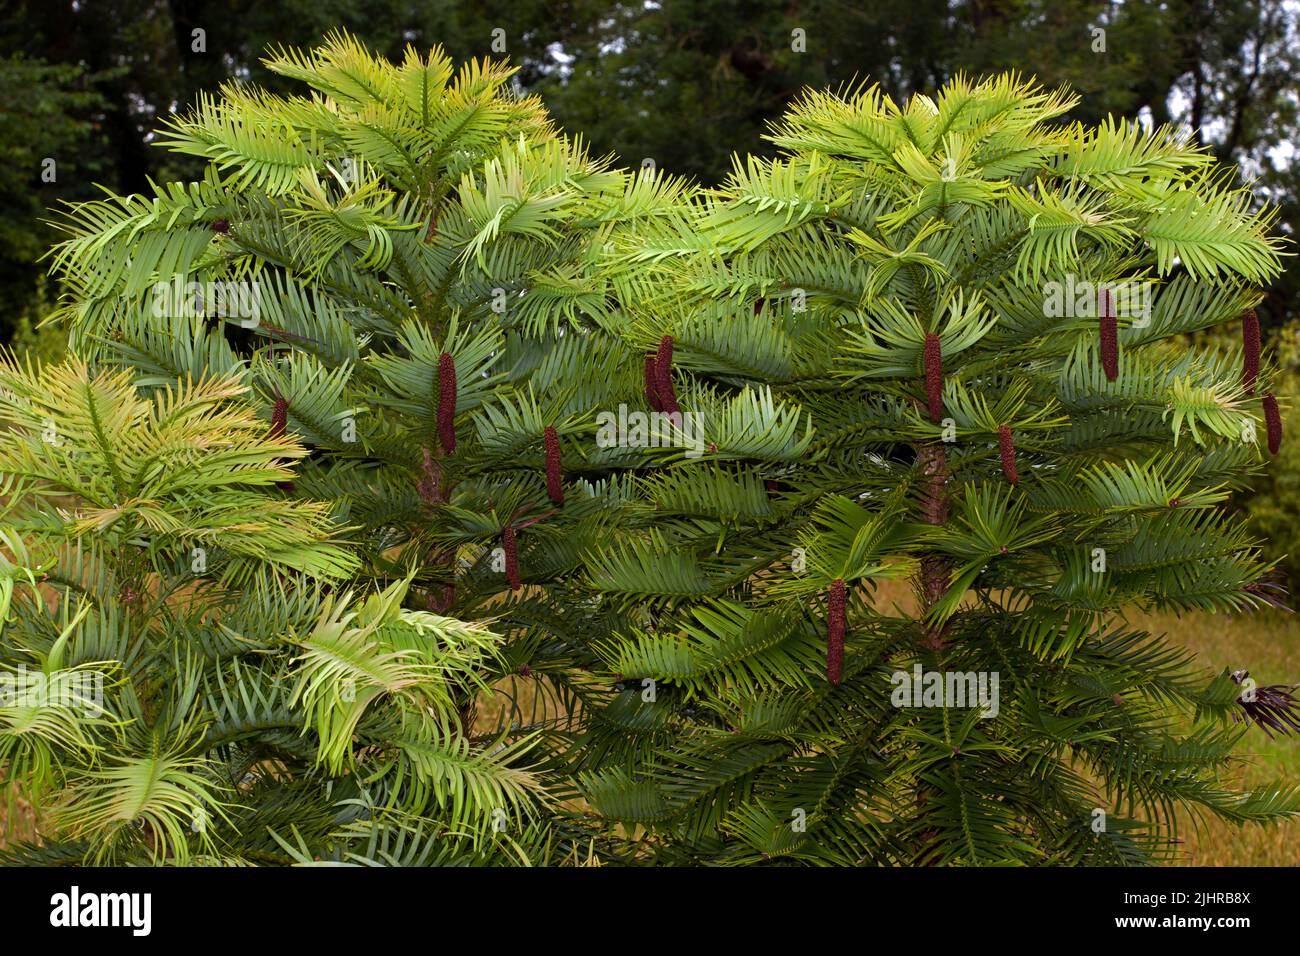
x=554 y=486
x=1110 y=347
x=1273 y=421
x=279 y=419
x=447 y=402
x=664 y=355
x=835 y=626
x=652 y=384
x=1249 y=351
x=664 y=376
x=1109 y=331
x=1007 y=449
x=510 y=544
x=758 y=305
x=934 y=376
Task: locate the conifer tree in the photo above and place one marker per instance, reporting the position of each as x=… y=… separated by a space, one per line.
x=545 y=506
x=396 y=273
x=965 y=323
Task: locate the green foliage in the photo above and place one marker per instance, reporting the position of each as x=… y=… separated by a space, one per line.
x=48 y=150
x=308 y=543
x=878 y=228
x=198 y=675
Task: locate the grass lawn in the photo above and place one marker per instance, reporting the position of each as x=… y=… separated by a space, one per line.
x=1266 y=643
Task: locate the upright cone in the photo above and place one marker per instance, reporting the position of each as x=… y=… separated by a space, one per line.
x=279 y=421
x=835 y=632
x=554 y=473
x=1109 y=331
x=652 y=384
x=1007 y=449
x=279 y=417
x=933 y=355
x=664 y=376
x=1273 y=421
x=447 y=402
x=510 y=545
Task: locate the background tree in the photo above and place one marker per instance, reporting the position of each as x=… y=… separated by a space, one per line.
x=890 y=286
x=49 y=152
x=423 y=312
x=681 y=82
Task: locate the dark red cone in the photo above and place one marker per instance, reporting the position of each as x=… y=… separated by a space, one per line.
x=934 y=376
x=835 y=633
x=758 y=305
x=554 y=487
x=510 y=544
x=652 y=384
x=221 y=226
x=280 y=419
x=1109 y=330
x=664 y=376
x=1249 y=351
x=1273 y=419
x=447 y=402
x=1007 y=449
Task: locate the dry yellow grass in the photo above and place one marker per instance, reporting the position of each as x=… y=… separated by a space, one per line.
x=1267 y=643
x=17 y=823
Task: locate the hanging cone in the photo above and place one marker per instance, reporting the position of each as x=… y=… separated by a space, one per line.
x=447 y=402
x=279 y=420
x=835 y=632
x=554 y=487
x=1007 y=449
x=510 y=544
x=652 y=384
x=934 y=376
x=758 y=305
x=664 y=376
x=1109 y=330
x=1249 y=351
x=1273 y=420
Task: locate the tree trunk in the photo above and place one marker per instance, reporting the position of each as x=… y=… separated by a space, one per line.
x=936 y=569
